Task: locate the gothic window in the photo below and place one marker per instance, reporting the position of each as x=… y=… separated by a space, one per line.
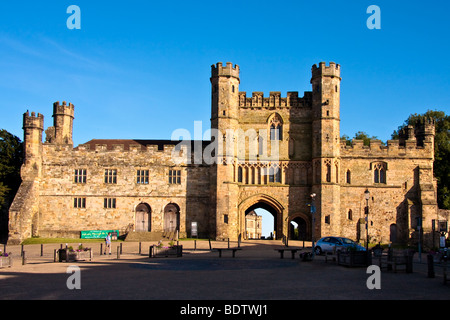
x=349 y=177
x=271 y=175
x=379 y=172
x=328 y=175
x=260 y=145
x=275 y=174
x=276 y=128
x=239 y=174
x=278 y=175
x=337 y=173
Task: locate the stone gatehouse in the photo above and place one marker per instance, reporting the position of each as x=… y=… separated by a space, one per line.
x=280 y=151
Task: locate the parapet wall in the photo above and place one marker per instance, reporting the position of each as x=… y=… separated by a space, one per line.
x=228 y=70
x=275 y=100
x=63 y=109
x=333 y=70
x=33 y=121
x=392 y=149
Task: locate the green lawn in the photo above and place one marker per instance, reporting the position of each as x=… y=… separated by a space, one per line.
x=61 y=240
x=78 y=240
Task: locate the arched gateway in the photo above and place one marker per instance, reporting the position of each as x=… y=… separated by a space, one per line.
x=265 y=202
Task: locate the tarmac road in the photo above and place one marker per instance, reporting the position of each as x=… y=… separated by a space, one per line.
x=256 y=273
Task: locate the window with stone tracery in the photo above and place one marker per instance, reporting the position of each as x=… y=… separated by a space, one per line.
x=276 y=128
x=379 y=172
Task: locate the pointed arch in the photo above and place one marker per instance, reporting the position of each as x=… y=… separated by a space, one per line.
x=275 y=124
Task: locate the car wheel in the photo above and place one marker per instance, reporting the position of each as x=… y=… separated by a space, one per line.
x=318 y=250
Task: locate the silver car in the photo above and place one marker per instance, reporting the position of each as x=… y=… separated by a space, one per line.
x=329 y=244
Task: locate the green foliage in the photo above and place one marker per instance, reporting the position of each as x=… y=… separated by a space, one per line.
x=360 y=135
x=441 y=151
x=11 y=159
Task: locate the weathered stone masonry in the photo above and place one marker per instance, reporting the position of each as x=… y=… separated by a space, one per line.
x=136 y=185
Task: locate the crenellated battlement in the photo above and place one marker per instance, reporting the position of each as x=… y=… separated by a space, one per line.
x=393 y=149
x=420 y=134
x=333 y=70
x=33 y=121
x=228 y=70
x=274 y=100
x=63 y=109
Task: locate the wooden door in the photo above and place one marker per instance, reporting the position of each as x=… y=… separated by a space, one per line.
x=143 y=218
x=171 y=218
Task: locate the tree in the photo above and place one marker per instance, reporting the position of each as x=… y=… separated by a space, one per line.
x=11 y=159
x=360 y=135
x=441 y=151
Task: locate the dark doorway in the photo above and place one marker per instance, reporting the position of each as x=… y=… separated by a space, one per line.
x=393 y=233
x=298 y=230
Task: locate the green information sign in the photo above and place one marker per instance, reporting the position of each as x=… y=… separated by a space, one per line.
x=99 y=234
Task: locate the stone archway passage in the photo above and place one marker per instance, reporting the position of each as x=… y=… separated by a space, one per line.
x=277 y=227
x=143 y=218
x=301 y=232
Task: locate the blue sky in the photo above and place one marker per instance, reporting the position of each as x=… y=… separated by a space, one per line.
x=140 y=69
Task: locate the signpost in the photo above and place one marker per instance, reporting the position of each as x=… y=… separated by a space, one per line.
x=99 y=234
x=194 y=232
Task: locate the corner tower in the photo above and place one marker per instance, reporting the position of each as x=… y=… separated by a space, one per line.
x=61 y=132
x=225 y=119
x=326 y=82
x=224 y=96
x=32 y=128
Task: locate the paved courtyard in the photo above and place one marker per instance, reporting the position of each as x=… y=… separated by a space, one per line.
x=256 y=273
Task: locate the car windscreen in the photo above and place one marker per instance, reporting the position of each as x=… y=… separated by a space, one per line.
x=347 y=241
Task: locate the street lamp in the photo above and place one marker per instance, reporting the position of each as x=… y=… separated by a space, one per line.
x=367 y=196
x=312 y=210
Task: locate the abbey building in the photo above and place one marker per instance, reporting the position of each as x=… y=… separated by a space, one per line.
x=284 y=154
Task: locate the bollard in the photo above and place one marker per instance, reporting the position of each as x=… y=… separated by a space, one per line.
x=21 y=250
x=121 y=248
x=209 y=240
x=139 y=247
x=42 y=249
x=24 y=260
x=54 y=255
x=195 y=245
x=430 y=266
x=118 y=252
x=101 y=248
